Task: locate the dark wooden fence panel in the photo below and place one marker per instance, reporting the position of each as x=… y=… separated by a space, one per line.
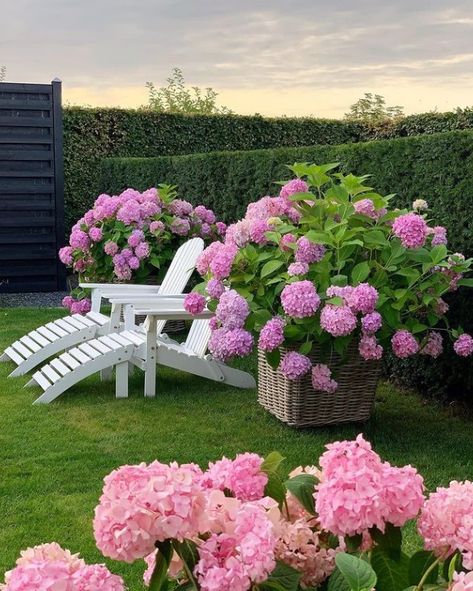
x=31 y=187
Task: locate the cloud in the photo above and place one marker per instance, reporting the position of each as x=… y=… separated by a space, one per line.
x=241 y=45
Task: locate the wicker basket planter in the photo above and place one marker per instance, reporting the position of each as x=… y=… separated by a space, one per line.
x=299 y=405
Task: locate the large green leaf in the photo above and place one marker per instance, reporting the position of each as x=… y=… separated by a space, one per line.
x=283 y=578
x=390 y=540
x=392 y=574
x=275 y=488
x=163 y=558
x=271 y=267
x=360 y=272
x=357 y=572
x=302 y=487
x=418 y=564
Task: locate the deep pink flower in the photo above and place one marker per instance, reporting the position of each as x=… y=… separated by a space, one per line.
x=309 y=252
x=232 y=310
x=294 y=365
x=292 y=187
x=65 y=255
x=404 y=344
x=272 y=334
x=337 y=320
x=322 y=379
x=300 y=299
x=371 y=323
x=369 y=348
x=194 y=303
x=362 y=298
x=411 y=229
x=463 y=346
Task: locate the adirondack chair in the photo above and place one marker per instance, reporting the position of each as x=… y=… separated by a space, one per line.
x=46 y=341
x=144 y=349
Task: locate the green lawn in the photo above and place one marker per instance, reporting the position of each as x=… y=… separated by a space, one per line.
x=53 y=458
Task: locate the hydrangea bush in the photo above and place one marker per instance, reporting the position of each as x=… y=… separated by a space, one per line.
x=132 y=236
x=328 y=263
x=241 y=525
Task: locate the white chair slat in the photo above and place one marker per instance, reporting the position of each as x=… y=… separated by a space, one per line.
x=120 y=339
x=198 y=337
x=14 y=355
x=53 y=327
x=88 y=350
x=62 y=323
x=50 y=373
x=134 y=337
x=40 y=339
x=69 y=360
x=21 y=349
x=98 y=318
x=106 y=340
x=97 y=344
x=60 y=367
x=30 y=343
x=79 y=355
x=84 y=320
x=41 y=380
x=47 y=333
x=75 y=322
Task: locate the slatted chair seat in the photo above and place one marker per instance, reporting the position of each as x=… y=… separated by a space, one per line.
x=47 y=341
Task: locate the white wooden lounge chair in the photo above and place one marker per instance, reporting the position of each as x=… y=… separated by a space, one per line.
x=46 y=341
x=143 y=348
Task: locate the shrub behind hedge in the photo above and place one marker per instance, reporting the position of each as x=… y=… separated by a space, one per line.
x=438 y=168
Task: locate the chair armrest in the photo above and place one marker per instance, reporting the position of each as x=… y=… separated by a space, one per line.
x=173 y=314
x=144 y=299
x=120 y=287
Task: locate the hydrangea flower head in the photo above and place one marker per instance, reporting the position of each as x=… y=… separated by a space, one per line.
x=337 y=320
x=272 y=334
x=411 y=229
x=322 y=379
x=232 y=309
x=294 y=365
x=308 y=251
x=404 y=344
x=194 y=303
x=463 y=346
x=300 y=299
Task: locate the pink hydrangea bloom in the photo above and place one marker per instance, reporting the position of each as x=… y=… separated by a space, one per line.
x=96 y=234
x=194 y=303
x=232 y=562
x=67 y=302
x=79 y=239
x=180 y=226
x=156 y=227
x=292 y=187
x=221 y=229
x=446 y=521
x=463 y=346
x=96 y=577
x=50 y=552
x=404 y=344
x=462 y=582
x=365 y=207
x=39 y=576
x=180 y=207
x=215 y=288
x=296 y=269
x=232 y=309
x=143 y=504
x=226 y=343
x=134 y=263
x=352 y=476
x=135 y=238
x=441 y=307
x=341 y=292
x=369 y=348
x=300 y=546
x=221 y=264
x=110 y=248
x=242 y=476
x=142 y=250
x=65 y=255
x=294 y=365
x=309 y=252
x=411 y=229
x=439 y=235
x=272 y=334
x=362 y=298
x=206 y=215
x=433 y=346
x=287 y=241
x=337 y=320
x=207 y=256
x=371 y=323
x=258 y=231
x=322 y=379
x=300 y=299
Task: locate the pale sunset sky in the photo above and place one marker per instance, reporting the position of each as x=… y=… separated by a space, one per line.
x=299 y=57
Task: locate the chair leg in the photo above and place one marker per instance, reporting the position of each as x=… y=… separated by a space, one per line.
x=121 y=380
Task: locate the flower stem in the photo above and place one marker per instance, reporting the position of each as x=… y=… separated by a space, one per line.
x=421 y=583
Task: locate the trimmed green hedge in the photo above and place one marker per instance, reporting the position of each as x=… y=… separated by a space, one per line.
x=438 y=168
x=93 y=134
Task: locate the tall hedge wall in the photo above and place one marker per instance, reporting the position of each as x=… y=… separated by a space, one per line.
x=438 y=168
x=93 y=134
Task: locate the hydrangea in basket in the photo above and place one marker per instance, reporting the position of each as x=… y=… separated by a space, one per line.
x=241 y=525
x=133 y=236
x=324 y=278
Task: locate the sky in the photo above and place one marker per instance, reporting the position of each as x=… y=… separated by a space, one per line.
x=279 y=57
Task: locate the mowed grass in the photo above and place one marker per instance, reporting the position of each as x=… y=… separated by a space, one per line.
x=54 y=457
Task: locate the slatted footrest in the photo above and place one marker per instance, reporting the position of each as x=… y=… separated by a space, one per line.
x=81 y=362
x=48 y=340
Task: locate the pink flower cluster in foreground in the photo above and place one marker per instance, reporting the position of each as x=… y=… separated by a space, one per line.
x=50 y=568
x=353 y=475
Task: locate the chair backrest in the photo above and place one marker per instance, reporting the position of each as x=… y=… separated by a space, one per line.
x=181 y=267
x=198 y=337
